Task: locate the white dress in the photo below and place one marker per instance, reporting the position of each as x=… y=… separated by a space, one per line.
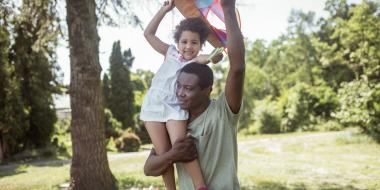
x=160 y=102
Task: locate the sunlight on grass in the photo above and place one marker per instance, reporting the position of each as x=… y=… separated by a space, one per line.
x=35 y=177
x=311 y=161
x=334 y=160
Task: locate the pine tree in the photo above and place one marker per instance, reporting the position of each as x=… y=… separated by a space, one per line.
x=36 y=31
x=121 y=101
x=106 y=90
x=11 y=132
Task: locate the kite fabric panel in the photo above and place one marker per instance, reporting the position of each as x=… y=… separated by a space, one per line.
x=206 y=6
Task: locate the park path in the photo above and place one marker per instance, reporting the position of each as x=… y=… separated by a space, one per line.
x=128 y=155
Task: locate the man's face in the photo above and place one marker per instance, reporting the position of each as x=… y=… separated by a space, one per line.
x=188 y=91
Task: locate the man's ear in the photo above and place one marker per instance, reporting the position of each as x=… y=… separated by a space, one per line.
x=208 y=90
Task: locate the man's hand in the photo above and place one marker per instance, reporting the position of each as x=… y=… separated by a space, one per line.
x=217 y=58
x=183 y=150
x=227 y=3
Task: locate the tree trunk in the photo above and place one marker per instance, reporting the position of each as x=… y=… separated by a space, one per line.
x=1 y=148
x=89 y=168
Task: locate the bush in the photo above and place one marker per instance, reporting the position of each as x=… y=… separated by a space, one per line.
x=256 y=87
x=110 y=145
x=143 y=134
x=303 y=106
x=267 y=117
x=295 y=108
x=360 y=106
x=62 y=138
x=140 y=130
x=330 y=125
x=128 y=142
x=323 y=101
x=112 y=125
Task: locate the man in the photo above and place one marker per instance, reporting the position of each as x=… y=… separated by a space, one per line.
x=213 y=123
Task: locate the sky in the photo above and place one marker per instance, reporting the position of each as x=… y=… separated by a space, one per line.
x=260 y=19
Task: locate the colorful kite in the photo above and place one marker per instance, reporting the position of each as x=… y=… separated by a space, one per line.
x=205 y=6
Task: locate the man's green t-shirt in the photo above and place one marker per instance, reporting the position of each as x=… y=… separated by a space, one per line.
x=215 y=131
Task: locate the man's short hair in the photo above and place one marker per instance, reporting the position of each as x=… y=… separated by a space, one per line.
x=203 y=72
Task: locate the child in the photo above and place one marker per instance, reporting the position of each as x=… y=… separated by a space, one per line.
x=164 y=120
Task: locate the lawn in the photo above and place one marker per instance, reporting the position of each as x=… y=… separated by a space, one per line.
x=333 y=160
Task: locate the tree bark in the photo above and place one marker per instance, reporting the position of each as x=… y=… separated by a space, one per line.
x=1 y=148
x=89 y=168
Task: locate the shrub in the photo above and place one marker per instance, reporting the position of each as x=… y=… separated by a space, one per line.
x=110 y=145
x=360 y=106
x=140 y=130
x=256 y=87
x=331 y=125
x=303 y=106
x=143 y=134
x=112 y=125
x=62 y=138
x=295 y=108
x=128 y=142
x=323 y=101
x=267 y=117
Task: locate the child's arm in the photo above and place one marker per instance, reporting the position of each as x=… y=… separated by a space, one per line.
x=150 y=30
x=202 y=59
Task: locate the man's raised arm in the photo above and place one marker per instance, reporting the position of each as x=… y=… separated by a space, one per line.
x=236 y=51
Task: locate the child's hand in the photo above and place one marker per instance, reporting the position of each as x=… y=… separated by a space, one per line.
x=217 y=58
x=168 y=5
x=202 y=59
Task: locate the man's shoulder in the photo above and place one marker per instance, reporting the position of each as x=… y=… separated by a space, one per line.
x=220 y=105
x=221 y=101
x=220 y=98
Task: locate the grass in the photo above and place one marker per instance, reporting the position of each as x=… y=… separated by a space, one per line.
x=37 y=175
x=321 y=161
x=311 y=161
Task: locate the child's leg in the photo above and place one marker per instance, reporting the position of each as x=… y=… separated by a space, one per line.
x=160 y=139
x=177 y=129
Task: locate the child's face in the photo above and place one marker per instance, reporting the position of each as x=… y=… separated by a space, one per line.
x=189 y=44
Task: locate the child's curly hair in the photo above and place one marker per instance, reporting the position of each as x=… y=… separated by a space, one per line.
x=194 y=24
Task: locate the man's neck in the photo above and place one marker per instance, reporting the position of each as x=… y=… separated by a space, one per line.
x=194 y=113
